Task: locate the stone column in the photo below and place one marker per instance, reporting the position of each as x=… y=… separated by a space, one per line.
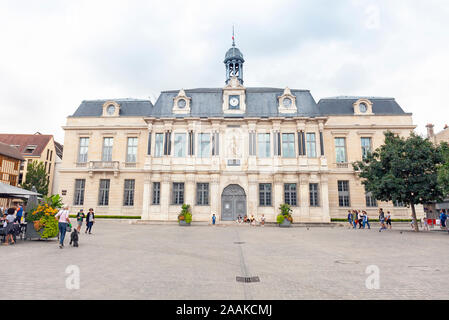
x=215 y=196
x=304 y=196
x=190 y=190
x=252 y=197
x=324 y=195
x=278 y=194
x=146 y=199
x=165 y=196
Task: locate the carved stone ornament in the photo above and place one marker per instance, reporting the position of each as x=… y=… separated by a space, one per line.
x=181 y=103
x=287 y=102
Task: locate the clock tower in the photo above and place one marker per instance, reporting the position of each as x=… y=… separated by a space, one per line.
x=234 y=63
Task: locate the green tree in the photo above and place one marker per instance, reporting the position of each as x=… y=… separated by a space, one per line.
x=443 y=170
x=404 y=170
x=36 y=176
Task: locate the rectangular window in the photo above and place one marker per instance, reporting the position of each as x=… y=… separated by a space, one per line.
x=313 y=191
x=311 y=145
x=370 y=200
x=107 y=149
x=202 y=194
x=131 y=153
x=159 y=145
x=263 y=145
x=156 y=193
x=290 y=194
x=321 y=143
x=340 y=150
x=343 y=193
x=82 y=151
x=180 y=145
x=288 y=145
x=103 y=194
x=178 y=193
x=48 y=152
x=78 y=199
x=366 y=146
x=265 y=194
x=203 y=145
x=128 y=197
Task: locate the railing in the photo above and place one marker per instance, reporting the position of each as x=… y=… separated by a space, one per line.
x=342 y=165
x=103 y=165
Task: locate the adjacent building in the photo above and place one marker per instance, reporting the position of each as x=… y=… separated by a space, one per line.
x=34 y=147
x=10 y=161
x=232 y=150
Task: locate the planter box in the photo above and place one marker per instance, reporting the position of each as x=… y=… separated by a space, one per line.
x=285 y=224
x=32 y=234
x=183 y=223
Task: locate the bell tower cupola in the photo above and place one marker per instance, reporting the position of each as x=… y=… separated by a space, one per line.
x=234 y=62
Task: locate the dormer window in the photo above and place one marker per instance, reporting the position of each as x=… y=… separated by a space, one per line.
x=363 y=107
x=111 y=109
x=181 y=103
x=287 y=102
x=30 y=149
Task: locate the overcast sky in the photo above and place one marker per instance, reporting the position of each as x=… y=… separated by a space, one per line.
x=54 y=54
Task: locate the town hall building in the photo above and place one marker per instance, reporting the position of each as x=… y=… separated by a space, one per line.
x=228 y=151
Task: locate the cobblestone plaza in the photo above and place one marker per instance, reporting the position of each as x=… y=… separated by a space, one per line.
x=148 y=261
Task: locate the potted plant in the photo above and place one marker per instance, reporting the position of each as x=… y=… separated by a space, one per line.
x=284 y=219
x=185 y=217
x=41 y=222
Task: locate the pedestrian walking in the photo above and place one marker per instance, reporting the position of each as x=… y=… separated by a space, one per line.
x=213 y=219
x=388 y=220
x=365 y=220
x=63 y=221
x=9 y=226
x=350 y=218
x=443 y=218
x=382 y=220
x=360 y=219
x=424 y=223
x=19 y=213
x=90 y=219
x=79 y=219
x=355 y=218
x=262 y=220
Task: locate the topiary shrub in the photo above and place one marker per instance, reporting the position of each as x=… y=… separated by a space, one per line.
x=185 y=214
x=285 y=213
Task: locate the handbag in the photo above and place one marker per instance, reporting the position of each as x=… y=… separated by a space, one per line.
x=69 y=227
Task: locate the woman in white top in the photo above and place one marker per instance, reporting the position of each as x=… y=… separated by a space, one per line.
x=63 y=216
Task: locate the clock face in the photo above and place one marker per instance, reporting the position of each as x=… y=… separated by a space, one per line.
x=363 y=107
x=111 y=110
x=181 y=103
x=287 y=102
x=234 y=101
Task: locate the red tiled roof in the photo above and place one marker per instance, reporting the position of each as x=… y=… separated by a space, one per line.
x=25 y=140
x=9 y=151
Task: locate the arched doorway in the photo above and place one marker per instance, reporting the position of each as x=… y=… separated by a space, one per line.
x=233 y=202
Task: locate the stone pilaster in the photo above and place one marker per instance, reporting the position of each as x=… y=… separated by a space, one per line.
x=252 y=194
x=324 y=195
x=165 y=196
x=146 y=199
x=190 y=190
x=304 y=196
x=215 y=196
x=278 y=192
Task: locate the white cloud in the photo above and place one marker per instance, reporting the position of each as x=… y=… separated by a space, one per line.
x=57 y=53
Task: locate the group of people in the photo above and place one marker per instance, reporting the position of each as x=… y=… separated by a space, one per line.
x=443 y=219
x=251 y=220
x=64 y=222
x=10 y=220
x=361 y=218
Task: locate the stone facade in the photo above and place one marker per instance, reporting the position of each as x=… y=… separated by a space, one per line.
x=226 y=151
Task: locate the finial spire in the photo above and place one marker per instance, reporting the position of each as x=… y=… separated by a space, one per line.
x=233 y=39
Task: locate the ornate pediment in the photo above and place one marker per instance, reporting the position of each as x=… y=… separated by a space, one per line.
x=287 y=102
x=181 y=103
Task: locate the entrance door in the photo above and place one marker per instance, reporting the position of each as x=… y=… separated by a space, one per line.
x=233 y=203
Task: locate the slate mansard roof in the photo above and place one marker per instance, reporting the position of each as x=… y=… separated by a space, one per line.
x=260 y=103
